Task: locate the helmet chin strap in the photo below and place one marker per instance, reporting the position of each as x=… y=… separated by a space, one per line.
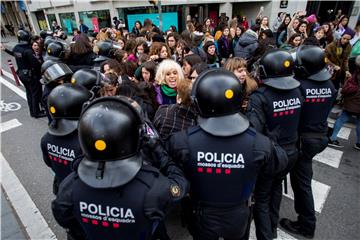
x=54 y=124
x=100 y=170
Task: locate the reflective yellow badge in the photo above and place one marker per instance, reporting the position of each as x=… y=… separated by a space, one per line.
x=229 y=94
x=287 y=63
x=73 y=80
x=52 y=110
x=326 y=60
x=175 y=190
x=49 y=50
x=100 y=145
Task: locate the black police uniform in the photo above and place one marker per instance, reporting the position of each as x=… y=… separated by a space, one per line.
x=222 y=158
x=120 y=196
x=59 y=153
x=33 y=63
x=23 y=68
x=60 y=145
x=274 y=110
x=319 y=94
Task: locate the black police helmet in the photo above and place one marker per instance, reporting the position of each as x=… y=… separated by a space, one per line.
x=47 y=64
x=86 y=77
x=311 y=63
x=104 y=48
x=110 y=129
x=217 y=92
x=217 y=95
x=48 y=40
x=54 y=70
x=65 y=105
x=276 y=70
x=44 y=34
x=55 y=49
x=23 y=36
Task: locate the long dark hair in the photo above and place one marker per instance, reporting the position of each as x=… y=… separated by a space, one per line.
x=82 y=45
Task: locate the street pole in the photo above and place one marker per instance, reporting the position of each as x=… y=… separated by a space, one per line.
x=160 y=15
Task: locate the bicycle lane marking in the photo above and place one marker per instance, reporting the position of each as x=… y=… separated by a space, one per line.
x=30 y=216
x=13 y=88
x=5 y=126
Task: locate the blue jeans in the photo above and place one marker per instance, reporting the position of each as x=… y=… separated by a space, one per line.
x=344 y=117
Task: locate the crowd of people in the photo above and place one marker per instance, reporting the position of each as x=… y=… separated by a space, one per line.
x=201 y=91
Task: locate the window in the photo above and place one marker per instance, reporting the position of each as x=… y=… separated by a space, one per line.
x=96 y=20
x=68 y=22
x=51 y=18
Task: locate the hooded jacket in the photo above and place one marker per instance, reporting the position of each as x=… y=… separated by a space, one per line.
x=247 y=44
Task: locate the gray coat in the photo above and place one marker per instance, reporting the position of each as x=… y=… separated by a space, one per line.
x=247 y=44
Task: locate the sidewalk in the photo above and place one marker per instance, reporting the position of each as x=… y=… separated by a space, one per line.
x=10 y=226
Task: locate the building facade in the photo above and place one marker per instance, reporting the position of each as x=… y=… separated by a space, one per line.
x=97 y=14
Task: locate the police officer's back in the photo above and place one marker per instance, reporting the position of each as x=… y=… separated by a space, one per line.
x=319 y=94
x=274 y=109
x=60 y=145
x=114 y=194
x=221 y=158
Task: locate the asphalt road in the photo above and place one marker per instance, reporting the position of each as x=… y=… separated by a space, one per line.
x=340 y=207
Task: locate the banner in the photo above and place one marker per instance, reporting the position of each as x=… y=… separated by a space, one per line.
x=95 y=24
x=67 y=23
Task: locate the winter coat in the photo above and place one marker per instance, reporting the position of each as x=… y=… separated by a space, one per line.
x=225 y=47
x=351 y=94
x=247 y=45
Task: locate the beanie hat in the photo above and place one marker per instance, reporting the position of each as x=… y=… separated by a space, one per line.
x=348 y=31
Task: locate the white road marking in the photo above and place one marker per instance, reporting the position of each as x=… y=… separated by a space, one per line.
x=344 y=132
x=12 y=87
x=320 y=193
x=30 y=216
x=9 y=75
x=5 y=126
x=329 y=156
x=281 y=234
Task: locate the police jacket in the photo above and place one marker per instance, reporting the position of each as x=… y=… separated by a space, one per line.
x=319 y=98
x=130 y=211
x=18 y=52
x=59 y=152
x=222 y=170
x=276 y=113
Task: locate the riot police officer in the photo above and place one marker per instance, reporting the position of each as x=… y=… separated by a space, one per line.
x=319 y=94
x=54 y=73
x=60 y=145
x=222 y=158
x=114 y=194
x=23 y=68
x=274 y=110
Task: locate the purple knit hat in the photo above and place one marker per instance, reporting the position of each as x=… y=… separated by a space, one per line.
x=349 y=31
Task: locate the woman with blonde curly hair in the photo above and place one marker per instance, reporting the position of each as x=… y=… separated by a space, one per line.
x=238 y=66
x=159 y=51
x=168 y=74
